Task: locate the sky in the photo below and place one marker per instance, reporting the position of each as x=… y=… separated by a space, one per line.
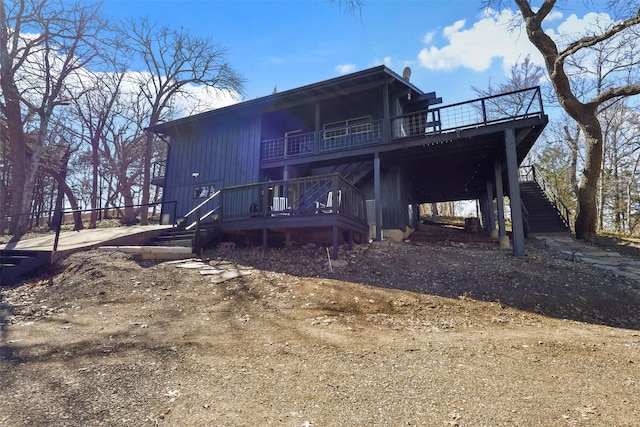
x=450 y=45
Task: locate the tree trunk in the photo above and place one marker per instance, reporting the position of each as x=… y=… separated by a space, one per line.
x=63 y=188
x=587 y=207
x=129 y=213
x=95 y=159
x=15 y=136
x=146 y=178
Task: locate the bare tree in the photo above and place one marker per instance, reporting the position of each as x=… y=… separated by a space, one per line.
x=523 y=75
x=42 y=44
x=619 y=79
x=173 y=60
x=95 y=108
x=621 y=127
x=122 y=150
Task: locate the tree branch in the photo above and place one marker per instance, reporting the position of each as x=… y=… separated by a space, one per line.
x=586 y=42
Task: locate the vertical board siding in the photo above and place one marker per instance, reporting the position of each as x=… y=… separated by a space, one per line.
x=225 y=153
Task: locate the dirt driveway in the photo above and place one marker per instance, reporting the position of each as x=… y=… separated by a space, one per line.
x=412 y=333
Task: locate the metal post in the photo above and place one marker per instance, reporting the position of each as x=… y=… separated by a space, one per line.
x=377 y=195
x=491 y=215
x=265 y=240
x=515 y=202
x=57 y=237
x=502 y=231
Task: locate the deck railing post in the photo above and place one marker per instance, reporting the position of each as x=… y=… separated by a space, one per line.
x=484 y=111
x=57 y=237
x=265 y=200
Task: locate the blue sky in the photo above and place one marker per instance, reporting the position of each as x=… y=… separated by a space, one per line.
x=450 y=45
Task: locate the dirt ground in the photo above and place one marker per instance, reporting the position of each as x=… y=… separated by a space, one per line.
x=441 y=330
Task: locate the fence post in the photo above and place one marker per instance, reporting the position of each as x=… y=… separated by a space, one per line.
x=57 y=237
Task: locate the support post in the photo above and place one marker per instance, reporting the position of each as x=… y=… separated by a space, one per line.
x=334 y=254
x=517 y=226
x=377 y=195
x=265 y=240
x=491 y=216
x=502 y=229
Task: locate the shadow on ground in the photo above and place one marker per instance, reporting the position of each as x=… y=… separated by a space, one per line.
x=443 y=260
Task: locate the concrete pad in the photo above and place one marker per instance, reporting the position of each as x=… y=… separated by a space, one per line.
x=601 y=254
x=147 y=249
x=193 y=265
x=211 y=271
x=150 y=256
x=611 y=268
x=599 y=261
x=152 y=253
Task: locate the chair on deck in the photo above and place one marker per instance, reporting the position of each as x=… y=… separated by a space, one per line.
x=328 y=207
x=280 y=206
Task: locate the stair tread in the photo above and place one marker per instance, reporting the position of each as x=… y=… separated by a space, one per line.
x=543 y=215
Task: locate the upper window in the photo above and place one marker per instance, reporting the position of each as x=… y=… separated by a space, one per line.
x=203 y=191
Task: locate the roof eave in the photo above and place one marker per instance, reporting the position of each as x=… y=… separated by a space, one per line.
x=162 y=128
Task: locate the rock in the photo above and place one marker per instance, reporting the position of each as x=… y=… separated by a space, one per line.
x=338 y=263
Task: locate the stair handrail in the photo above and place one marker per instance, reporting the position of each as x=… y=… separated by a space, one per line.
x=207 y=200
x=203 y=217
x=552 y=195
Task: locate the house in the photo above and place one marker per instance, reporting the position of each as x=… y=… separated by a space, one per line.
x=354 y=156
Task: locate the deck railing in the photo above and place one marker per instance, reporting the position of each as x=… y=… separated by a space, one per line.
x=299 y=144
x=326 y=194
x=352 y=136
x=500 y=108
x=486 y=111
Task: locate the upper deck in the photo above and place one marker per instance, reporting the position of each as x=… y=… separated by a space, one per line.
x=452 y=145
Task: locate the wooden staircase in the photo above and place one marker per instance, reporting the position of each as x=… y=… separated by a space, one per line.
x=351 y=172
x=180 y=236
x=543 y=216
x=16 y=263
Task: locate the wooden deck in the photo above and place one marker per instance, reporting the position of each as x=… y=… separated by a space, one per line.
x=326 y=202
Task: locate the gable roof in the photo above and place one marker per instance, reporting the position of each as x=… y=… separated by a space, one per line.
x=371 y=77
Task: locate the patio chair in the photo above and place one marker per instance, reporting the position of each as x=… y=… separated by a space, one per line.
x=328 y=207
x=280 y=206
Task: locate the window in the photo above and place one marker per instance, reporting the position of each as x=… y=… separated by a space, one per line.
x=203 y=191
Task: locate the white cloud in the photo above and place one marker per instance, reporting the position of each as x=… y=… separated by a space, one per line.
x=192 y=99
x=345 y=68
x=450 y=30
x=476 y=47
x=493 y=38
x=574 y=27
x=428 y=37
x=554 y=16
x=197 y=99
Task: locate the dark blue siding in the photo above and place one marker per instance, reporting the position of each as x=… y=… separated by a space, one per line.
x=222 y=153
